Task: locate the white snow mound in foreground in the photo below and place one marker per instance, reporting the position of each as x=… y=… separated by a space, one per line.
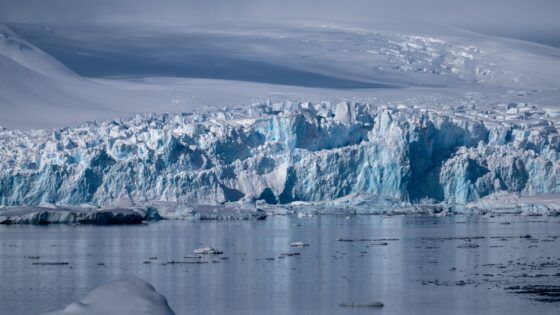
x=121 y=297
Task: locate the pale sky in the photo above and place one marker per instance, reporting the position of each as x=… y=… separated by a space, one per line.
x=516 y=18
x=526 y=13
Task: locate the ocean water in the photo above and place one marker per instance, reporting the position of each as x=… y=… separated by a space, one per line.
x=413 y=265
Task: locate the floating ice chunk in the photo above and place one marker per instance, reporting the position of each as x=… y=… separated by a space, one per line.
x=227 y=212
x=298 y=244
x=74 y=215
x=371 y=304
x=207 y=251
x=305 y=215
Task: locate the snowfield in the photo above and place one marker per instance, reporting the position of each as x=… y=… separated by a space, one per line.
x=54 y=77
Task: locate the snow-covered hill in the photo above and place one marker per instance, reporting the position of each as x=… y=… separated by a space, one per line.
x=303 y=54
x=127 y=70
x=37 y=91
x=19 y=51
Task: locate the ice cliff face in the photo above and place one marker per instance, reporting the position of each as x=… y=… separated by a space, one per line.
x=288 y=152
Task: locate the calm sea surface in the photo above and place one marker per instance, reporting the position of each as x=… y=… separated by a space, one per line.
x=414 y=265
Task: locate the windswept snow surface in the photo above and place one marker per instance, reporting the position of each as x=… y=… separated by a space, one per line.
x=126 y=70
x=25 y=54
x=302 y=54
x=121 y=297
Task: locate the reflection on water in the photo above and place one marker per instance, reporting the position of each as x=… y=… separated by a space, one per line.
x=428 y=265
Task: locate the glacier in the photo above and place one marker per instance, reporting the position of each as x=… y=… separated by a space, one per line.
x=281 y=153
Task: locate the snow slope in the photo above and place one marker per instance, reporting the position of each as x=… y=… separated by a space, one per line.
x=126 y=70
x=35 y=87
x=304 y=54
x=37 y=91
x=25 y=54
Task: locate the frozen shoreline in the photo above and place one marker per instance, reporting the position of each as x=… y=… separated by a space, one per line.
x=359 y=204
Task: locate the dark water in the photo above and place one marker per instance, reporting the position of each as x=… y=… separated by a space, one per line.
x=429 y=265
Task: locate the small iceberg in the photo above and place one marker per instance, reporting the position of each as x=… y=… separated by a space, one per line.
x=372 y=304
x=299 y=244
x=227 y=212
x=207 y=251
x=41 y=215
